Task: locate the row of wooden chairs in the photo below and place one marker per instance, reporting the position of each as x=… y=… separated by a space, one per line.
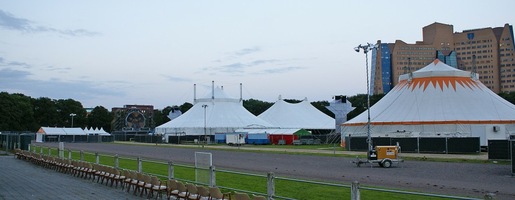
x=189 y=191
x=139 y=182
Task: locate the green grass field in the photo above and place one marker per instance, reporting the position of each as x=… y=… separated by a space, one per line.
x=240 y=182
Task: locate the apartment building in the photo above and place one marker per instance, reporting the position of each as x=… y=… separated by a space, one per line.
x=486 y=51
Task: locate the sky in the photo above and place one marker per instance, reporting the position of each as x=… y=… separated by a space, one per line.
x=115 y=53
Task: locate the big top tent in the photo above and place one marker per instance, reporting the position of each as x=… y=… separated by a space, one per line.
x=217 y=113
x=437 y=101
x=300 y=115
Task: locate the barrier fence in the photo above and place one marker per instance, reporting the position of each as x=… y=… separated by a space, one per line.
x=269 y=185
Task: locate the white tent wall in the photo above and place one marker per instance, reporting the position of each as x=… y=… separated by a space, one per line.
x=300 y=115
x=217 y=113
x=437 y=101
x=483 y=131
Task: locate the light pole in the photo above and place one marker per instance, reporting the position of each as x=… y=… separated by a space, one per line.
x=205 y=126
x=72 y=115
x=366 y=48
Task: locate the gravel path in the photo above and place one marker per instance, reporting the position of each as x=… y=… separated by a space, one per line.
x=463 y=179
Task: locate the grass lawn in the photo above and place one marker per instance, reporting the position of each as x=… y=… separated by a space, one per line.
x=244 y=183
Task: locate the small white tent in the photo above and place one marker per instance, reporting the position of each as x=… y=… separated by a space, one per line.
x=58 y=132
x=217 y=112
x=437 y=101
x=300 y=115
x=94 y=131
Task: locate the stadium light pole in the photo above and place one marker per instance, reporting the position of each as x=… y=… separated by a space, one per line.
x=366 y=48
x=205 y=126
x=72 y=115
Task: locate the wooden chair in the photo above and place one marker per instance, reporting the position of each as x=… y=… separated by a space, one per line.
x=172 y=189
x=182 y=191
x=134 y=181
x=258 y=198
x=241 y=196
x=147 y=185
x=216 y=194
x=90 y=171
x=192 y=193
x=139 y=182
x=117 y=178
x=127 y=180
x=203 y=193
x=98 y=172
x=156 y=187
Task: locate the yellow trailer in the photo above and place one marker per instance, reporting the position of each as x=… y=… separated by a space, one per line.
x=385 y=156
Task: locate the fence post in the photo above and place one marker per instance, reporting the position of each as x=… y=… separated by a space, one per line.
x=61 y=150
x=212 y=176
x=28 y=148
x=270 y=186
x=354 y=191
x=170 y=170
x=81 y=155
x=116 y=162
x=140 y=169
x=69 y=154
x=97 y=158
x=49 y=151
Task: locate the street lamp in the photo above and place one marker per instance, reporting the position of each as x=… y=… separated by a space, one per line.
x=72 y=115
x=205 y=126
x=366 y=48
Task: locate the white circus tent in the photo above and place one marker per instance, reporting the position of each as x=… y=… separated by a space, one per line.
x=437 y=101
x=217 y=113
x=300 y=115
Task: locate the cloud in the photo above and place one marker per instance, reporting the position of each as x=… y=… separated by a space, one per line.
x=10 y=22
x=280 y=70
x=176 y=79
x=20 y=81
x=246 y=51
x=58 y=69
x=16 y=64
x=253 y=67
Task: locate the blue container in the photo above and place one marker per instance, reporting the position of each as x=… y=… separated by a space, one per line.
x=258 y=138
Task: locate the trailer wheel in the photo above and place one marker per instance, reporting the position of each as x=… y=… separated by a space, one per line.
x=387 y=163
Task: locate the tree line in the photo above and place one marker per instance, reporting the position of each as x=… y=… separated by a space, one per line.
x=19 y=112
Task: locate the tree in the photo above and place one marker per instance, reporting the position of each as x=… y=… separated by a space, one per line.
x=509 y=96
x=100 y=117
x=65 y=107
x=16 y=113
x=256 y=107
x=161 y=117
x=321 y=105
x=360 y=102
x=185 y=107
x=45 y=112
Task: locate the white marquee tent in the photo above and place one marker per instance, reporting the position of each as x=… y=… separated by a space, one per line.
x=217 y=112
x=95 y=131
x=300 y=115
x=51 y=131
x=437 y=100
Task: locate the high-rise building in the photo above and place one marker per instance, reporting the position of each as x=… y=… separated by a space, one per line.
x=486 y=51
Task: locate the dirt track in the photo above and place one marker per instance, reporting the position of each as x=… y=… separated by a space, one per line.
x=462 y=179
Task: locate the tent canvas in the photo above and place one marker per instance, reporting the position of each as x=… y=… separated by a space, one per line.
x=217 y=113
x=437 y=100
x=300 y=115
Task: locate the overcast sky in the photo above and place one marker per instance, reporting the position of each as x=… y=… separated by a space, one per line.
x=113 y=53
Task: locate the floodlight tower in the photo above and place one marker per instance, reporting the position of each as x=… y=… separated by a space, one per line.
x=366 y=48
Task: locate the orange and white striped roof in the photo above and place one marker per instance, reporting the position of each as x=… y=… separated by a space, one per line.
x=438 y=94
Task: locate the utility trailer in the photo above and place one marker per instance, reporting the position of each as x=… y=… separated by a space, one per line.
x=235 y=139
x=385 y=156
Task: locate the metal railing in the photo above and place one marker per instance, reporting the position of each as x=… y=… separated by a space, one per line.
x=168 y=171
